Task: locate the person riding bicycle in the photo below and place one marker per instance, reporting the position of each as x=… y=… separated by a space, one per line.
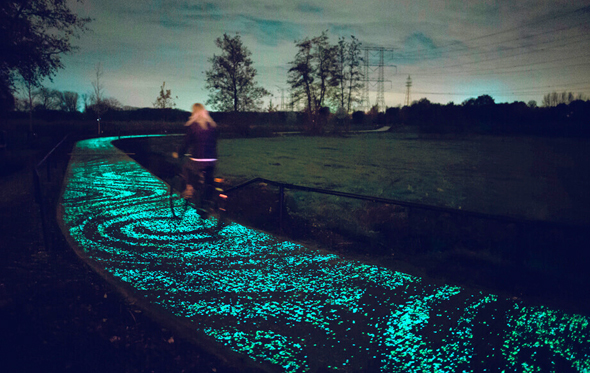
x=200 y=148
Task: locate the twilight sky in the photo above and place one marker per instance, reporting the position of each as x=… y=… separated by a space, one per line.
x=513 y=50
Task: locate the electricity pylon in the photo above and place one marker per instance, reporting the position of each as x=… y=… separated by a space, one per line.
x=380 y=68
x=408 y=85
x=282 y=90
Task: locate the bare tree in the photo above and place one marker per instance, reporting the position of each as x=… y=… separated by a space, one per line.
x=312 y=71
x=301 y=76
x=555 y=98
x=68 y=101
x=29 y=84
x=111 y=103
x=48 y=99
x=347 y=73
x=272 y=108
x=21 y=104
x=98 y=104
x=339 y=73
x=164 y=100
x=97 y=85
x=30 y=94
x=87 y=100
x=230 y=80
x=311 y=75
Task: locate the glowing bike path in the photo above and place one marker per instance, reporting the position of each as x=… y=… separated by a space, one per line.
x=285 y=307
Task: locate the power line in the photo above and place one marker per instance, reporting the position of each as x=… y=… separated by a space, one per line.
x=551 y=61
x=574 y=40
x=493 y=59
x=513 y=91
x=539 y=44
x=561 y=41
x=468 y=72
x=457 y=53
x=542 y=19
x=491 y=72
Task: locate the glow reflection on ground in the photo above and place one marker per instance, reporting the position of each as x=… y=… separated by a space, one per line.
x=298 y=309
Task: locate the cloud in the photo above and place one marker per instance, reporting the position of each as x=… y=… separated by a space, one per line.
x=269 y=32
x=203 y=10
x=142 y=43
x=417 y=47
x=418 y=40
x=172 y=14
x=309 y=8
x=342 y=30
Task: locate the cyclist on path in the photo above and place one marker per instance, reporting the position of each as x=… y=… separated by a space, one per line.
x=200 y=148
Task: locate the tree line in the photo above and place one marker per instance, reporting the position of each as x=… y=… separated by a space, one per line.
x=557 y=98
x=324 y=78
x=483 y=115
x=321 y=74
x=48 y=99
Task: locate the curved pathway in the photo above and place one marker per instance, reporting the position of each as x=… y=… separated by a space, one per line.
x=280 y=306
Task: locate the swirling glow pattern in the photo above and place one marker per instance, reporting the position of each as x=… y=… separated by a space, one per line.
x=293 y=308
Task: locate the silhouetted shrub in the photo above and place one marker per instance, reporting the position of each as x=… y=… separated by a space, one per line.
x=358 y=117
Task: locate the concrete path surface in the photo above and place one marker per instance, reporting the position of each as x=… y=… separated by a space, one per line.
x=276 y=305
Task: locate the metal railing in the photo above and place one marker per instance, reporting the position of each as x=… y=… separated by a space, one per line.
x=427 y=228
x=47 y=178
x=407 y=204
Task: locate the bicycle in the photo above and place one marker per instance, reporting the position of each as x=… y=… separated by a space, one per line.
x=180 y=203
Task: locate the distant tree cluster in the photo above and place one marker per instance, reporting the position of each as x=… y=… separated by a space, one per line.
x=95 y=102
x=483 y=115
x=48 y=99
x=118 y=114
x=51 y=105
x=323 y=75
x=555 y=98
x=320 y=75
x=326 y=75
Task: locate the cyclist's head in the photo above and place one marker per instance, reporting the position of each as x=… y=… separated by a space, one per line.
x=198 y=107
x=201 y=116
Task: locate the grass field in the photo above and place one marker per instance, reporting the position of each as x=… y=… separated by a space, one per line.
x=534 y=178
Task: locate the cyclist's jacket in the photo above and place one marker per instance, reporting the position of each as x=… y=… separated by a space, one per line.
x=200 y=144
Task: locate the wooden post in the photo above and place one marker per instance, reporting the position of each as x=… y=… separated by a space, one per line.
x=281 y=206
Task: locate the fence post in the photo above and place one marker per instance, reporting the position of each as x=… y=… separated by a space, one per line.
x=281 y=206
x=48 y=169
x=43 y=191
